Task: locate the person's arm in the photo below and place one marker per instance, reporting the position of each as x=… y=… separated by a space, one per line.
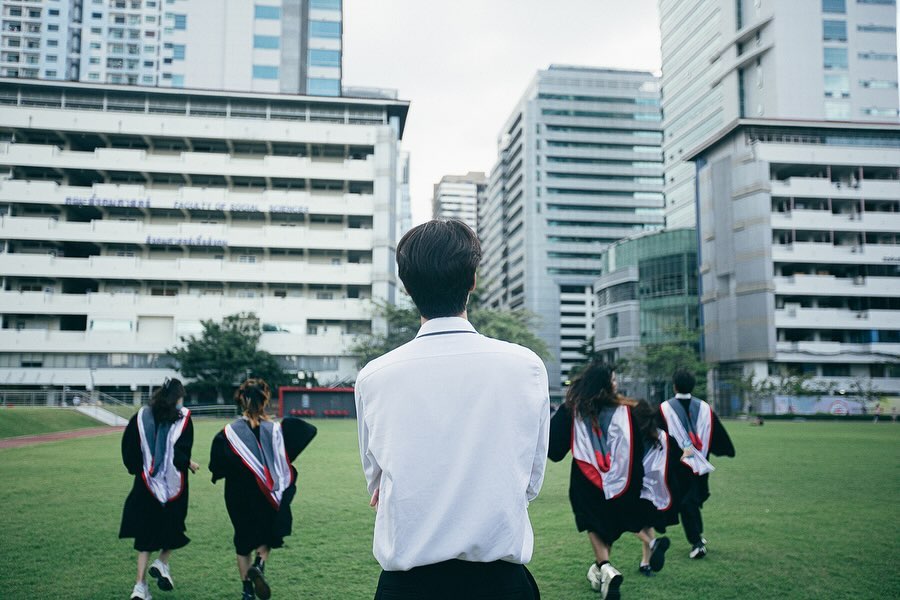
x=183 y=447
x=297 y=436
x=371 y=469
x=219 y=457
x=539 y=463
x=560 y=434
x=720 y=444
x=131 y=448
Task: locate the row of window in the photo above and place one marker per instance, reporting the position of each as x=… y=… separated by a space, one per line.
x=840 y=6
x=838 y=58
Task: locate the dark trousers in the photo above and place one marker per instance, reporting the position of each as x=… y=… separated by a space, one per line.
x=691 y=519
x=455 y=579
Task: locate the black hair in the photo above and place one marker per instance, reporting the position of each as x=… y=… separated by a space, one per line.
x=252 y=398
x=164 y=402
x=684 y=381
x=592 y=391
x=437 y=261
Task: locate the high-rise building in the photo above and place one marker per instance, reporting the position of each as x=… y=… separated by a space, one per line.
x=458 y=196
x=800 y=254
x=131 y=214
x=287 y=46
x=579 y=167
x=820 y=60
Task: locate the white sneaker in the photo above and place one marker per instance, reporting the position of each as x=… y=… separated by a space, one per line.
x=141 y=592
x=594 y=577
x=160 y=571
x=611 y=581
x=698 y=551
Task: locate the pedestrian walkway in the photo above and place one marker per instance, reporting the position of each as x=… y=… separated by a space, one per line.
x=31 y=440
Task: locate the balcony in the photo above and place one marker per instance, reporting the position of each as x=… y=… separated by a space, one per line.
x=819 y=187
x=825 y=220
x=184 y=234
x=828 y=285
x=825 y=253
x=830 y=351
x=835 y=318
x=187 y=163
x=184 y=306
x=187 y=198
x=128 y=268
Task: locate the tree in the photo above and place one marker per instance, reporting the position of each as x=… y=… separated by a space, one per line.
x=654 y=364
x=403 y=323
x=225 y=354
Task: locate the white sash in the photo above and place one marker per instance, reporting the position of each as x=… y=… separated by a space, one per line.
x=655 y=487
x=268 y=463
x=697 y=461
x=167 y=482
x=612 y=472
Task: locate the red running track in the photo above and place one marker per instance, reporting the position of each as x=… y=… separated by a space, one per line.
x=30 y=440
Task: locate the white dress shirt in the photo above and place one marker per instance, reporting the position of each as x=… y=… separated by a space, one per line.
x=453 y=431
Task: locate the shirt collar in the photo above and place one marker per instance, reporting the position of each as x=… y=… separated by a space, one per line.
x=683 y=396
x=445 y=325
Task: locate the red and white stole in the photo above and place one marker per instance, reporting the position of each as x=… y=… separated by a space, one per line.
x=164 y=481
x=655 y=486
x=266 y=458
x=604 y=450
x=692 y=428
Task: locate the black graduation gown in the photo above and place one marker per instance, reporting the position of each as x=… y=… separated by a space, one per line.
x=608 y=519
x=152 y=525
x=256 y=522
x=691 y=488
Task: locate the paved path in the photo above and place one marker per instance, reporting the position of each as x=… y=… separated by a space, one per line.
x=30 y=440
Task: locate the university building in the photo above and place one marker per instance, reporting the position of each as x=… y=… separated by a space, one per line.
x=130 y=214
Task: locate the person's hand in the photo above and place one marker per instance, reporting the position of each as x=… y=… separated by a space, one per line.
x=687 y=452
x=194 y=467
x=374 y=501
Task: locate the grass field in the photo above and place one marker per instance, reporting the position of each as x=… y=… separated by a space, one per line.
x=804 y=511
x=33 y=421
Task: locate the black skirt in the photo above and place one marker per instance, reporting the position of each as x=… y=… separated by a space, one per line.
x=152 y=525
x=608 y=519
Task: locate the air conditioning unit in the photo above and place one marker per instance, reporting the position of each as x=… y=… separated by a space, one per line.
x=861 y=315
x=856 y=249
x=859 y=280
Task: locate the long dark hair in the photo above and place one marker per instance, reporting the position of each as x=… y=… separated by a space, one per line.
x=593 y=391
x=164 y=402
x=252 y=398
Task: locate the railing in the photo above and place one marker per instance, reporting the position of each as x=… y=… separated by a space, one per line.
x=66 y=398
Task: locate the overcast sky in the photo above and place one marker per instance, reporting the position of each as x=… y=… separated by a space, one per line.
x=465 y=63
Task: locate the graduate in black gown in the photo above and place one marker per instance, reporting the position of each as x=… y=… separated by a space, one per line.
x=693 y=427
x=254 y=455
x=156 y=449
x=611 y=439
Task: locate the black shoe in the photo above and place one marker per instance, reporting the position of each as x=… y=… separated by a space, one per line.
x=646 y=571
x=256 y=575
x=698 y=551
x=658 y=554
x=248 y=591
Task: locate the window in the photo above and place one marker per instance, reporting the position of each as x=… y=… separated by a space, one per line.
x=837 y=110
x=834 y=31
x=325 y=29
x=96 y=15
x=323 y=87
x=94 y=60
x=880 y=112
x=49 y=73
x=613 y=322
x=147 y=79
x=265 y=72
x=148 y=64
x=837 y=86
x=52 y=27
x=51 y=58
x=267 y=12
x=878 y=56
x=178 y=51
x=180 y=22
x=95 y=45
x=884 y=2
x=52 y=43
x=836 y=58
x=324 y=58
x=878 y=84
x=326 y=4
x=93 y=76
x=834 y=6
x=267 y=42
x=877 y=28
x=178 y=81
x=53 y=12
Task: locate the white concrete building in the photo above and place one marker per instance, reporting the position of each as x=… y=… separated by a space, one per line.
x=771 y=59
x=287 y=46
x=800 y=253
x=579 y=167
x=458 y=196
x=131 y=214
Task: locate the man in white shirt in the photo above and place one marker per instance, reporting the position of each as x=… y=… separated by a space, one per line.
x=453 y=433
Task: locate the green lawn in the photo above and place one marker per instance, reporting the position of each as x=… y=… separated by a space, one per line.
x=32 y=421
x=805 y=511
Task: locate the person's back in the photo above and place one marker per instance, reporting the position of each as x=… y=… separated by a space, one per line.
x=453 y=430
x=452 y=420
